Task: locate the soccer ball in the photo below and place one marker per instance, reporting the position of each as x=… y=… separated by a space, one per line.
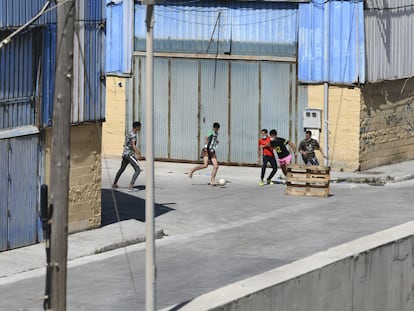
x=222 y=182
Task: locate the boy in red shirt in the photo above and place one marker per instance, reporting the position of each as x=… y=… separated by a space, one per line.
x=266 y=152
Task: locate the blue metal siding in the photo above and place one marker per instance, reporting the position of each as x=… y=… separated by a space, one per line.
x=259 y=28
x=48 y=73
x=89 y=63
x=14 y=13
x=119 y=36
x=18 y=62
x=18 y=191
x=4 y=189
x=334 y=54
x=22 y=202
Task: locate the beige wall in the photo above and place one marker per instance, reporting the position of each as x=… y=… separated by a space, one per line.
x=387 y=123
x=344 y=122
x=113 y=130
x=85 y=175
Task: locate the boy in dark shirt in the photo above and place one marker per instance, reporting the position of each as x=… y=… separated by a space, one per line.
x=279 y=145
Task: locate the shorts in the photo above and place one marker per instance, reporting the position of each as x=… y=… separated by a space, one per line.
x=285 y=160
x=210 y=155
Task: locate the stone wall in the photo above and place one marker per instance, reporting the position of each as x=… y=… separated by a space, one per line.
x=387 y=123
x=343 y=122
x=85 y=175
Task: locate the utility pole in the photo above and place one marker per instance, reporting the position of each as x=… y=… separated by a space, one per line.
x=150 y=266
x=60 y=153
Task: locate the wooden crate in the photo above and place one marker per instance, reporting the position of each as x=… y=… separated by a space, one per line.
x=308 y=180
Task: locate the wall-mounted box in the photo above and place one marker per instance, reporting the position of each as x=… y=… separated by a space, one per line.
x=312 y=118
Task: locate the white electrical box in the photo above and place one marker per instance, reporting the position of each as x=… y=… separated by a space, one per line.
x=312 y=118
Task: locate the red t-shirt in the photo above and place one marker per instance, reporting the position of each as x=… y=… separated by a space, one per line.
x=267 y=151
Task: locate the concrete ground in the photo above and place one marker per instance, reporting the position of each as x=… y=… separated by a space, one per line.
x=172 y=182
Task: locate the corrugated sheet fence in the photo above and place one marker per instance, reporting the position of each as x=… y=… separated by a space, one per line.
x=243 y=96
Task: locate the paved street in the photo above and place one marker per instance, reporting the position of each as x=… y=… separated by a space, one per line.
x=214 y=235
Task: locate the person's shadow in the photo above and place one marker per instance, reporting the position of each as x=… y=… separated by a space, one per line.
x=128 y=207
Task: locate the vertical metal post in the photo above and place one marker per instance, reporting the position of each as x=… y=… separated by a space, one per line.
x=150 y=267
x=60 y=153
x=326 y=83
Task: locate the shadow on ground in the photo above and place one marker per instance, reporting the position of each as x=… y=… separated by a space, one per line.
x=129 y=207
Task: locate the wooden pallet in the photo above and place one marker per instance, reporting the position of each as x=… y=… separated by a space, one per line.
x=310 y=180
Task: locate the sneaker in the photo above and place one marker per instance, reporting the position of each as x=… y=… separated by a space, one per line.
x=261 y=183
x=132 y=190
x=270 y=182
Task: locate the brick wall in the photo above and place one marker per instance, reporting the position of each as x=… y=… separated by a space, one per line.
x=85 y=175
x=387 y=123
x=113 y=129
x=343 y=122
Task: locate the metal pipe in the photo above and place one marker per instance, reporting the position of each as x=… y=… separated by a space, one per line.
x=150 y=267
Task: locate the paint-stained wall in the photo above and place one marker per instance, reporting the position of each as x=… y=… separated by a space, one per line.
x=85 y=175
x=387 y=123
x=343 y=124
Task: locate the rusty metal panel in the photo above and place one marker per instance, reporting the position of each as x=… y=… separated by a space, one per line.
x=389 y=32
x=22 y=196
x=4 y=189
x=244 y=127
x=214 y=105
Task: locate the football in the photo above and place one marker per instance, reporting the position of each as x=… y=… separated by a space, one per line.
x=222 y=182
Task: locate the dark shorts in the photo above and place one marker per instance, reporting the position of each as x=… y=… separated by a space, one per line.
x=210 y=155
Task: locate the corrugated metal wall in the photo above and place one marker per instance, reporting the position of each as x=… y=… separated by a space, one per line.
x=334 y=54
x=389 y=29
x=14 y=13
x=214 y=105
x=27 y=75
x=119 y=36
x=241 y=28
x=20 y=58
x=19 y=67
x=243 y=96
x=18 y=207
x=4 y=189
x=23 y=165
x=244 y=117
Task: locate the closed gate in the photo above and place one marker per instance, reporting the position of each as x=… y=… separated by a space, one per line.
x=18 y=192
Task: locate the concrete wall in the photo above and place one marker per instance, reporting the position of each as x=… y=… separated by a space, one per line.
x=85 y=175
x=387 y=123
x=374 y=273
x=344 y=122
x=113 y=130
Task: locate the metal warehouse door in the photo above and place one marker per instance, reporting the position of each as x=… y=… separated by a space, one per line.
x=243 y=96
x=18 y=205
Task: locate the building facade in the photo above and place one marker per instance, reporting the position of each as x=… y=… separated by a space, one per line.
x=253 y=65
x=27 y=70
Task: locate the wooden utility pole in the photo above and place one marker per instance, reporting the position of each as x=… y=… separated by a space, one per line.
x=60 y=153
